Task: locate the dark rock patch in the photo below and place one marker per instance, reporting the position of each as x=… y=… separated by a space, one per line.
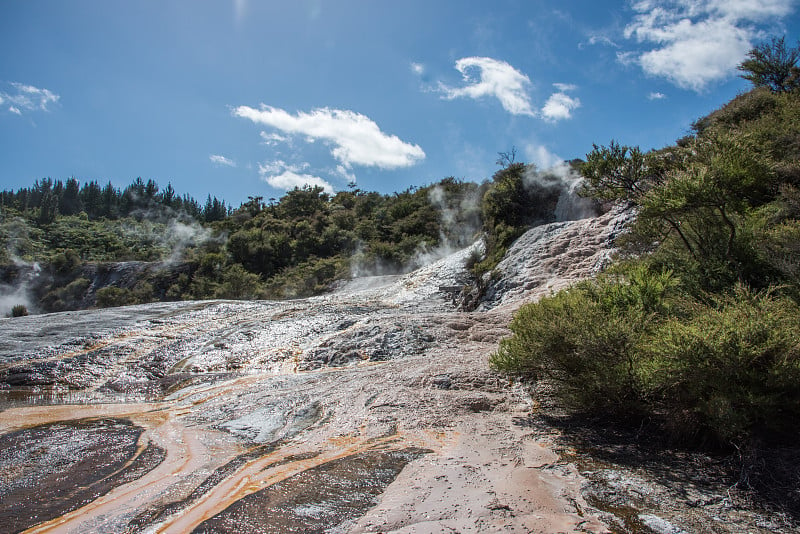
x=316 y=500
x=49 y=470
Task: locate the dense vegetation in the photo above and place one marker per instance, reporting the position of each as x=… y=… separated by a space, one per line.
x=77 y=237
x=698 y=324
x=176 y=249
x=519 y=197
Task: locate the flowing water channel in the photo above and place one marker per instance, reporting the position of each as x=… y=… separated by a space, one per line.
x=370 y=409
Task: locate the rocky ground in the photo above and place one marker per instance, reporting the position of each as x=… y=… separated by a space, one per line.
x=368 y=410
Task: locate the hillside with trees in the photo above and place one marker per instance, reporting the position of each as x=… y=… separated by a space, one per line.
x=696 y=329
x=75 y=246
x=177 y=249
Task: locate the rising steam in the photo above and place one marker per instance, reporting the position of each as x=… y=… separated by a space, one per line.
x=460 y=225
x=570 y=206
x=19 y=292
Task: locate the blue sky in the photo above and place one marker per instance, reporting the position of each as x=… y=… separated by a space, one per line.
x=244 y=97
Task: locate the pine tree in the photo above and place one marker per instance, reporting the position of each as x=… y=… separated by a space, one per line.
x=773 y=65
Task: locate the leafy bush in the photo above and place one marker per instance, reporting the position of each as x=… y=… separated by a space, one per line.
x=713 y=350
x=20 y=310
x=632 y=347
x=311 y=277
x=112 y=296
x=748 y=106
x=68 y=297
x=239 y=284
x=587 y=338
x=731 y=370
x=66 y=262
x=615 y=172
x=518 y=197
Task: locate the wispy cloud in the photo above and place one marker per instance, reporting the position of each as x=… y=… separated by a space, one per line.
x=345 y=173
x=272 y=138
x=240 y=10
x=694 y=43
x=418 y=68
x=496 y=79
x=22 y=98
x=222 y=160
x=282 y=175
x=355 y=139
x=602 y=40
x=560 y=105
x=564 y=87
x=656 y=96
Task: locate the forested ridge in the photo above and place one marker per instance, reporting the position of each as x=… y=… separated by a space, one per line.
x=294 y=246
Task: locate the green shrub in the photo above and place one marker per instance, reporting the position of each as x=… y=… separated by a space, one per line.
x=518 y=197
x=718 y=372
x=773 y=65
x=20 y=310
x=69 y=297
x=586 y=338
x=311 y=277
x=239 y=284
x=66 y=262
x=730 y=371
x=111 y=296
x=143 y=291
x=745 y=107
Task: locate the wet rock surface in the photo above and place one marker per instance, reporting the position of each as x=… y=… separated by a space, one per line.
x=552 y=256
x=48 y=470
x=317 y=500
x=639 y=483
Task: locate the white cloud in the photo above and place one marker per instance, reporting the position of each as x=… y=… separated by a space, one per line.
x=755 y=10
x=418 y=68
x=564 y=87
x=272 y=138
x=496 y=79
x=602 y=39
x=656 y=96
x=289 y=180
x=281 y=175
x=240 y=9
x=222 y=160
x=25 y=98
x=278 y=166
x=627 y=58
x=355 y=138
x=696 y=42
x=560 y=105
x=345 y=173
x=696 y=54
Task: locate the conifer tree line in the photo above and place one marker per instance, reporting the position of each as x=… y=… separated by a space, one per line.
x=51 y=198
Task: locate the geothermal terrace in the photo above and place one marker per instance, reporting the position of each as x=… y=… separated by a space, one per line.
x=371 y=409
